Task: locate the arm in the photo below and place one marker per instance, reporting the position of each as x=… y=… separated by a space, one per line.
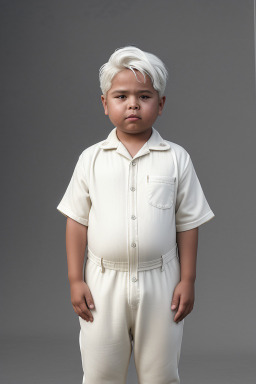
x=187 y=244
x=76 y=240
x=184 y=296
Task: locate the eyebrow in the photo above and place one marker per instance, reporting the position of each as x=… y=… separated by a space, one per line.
x=124 y=91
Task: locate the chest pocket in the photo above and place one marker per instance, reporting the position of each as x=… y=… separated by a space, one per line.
x=161 y=191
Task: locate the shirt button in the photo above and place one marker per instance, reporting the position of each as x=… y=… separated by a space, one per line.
x=162 y=144
x=134 y=163
x=105 y=143
x=134 y=279
x=133 y=245
x=133 y=217
x=132 y=189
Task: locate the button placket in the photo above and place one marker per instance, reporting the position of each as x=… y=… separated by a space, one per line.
x=133 y=232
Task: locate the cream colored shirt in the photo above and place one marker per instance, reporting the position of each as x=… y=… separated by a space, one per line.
x=134 y=206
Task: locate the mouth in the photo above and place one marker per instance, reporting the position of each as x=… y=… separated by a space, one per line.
x=132 y=118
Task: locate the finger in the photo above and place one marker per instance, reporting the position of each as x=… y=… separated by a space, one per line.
x=83 y=316
x=85 y=310
x=89 y=299
x=185 y=312
x=175 y=302
x=179 y=313
x=80 y=313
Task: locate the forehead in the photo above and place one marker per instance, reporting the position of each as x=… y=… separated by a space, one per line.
x=126 y=79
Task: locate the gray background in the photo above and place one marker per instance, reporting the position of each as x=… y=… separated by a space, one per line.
x=51 y=52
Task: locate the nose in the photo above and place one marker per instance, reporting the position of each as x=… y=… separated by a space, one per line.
x=133 y=103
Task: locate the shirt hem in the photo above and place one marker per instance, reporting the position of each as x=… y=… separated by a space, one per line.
x=68 y=213
x=204 y=219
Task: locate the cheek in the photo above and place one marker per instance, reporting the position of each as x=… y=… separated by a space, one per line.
x=116 y=109
x=151 y=110
x=115 y=114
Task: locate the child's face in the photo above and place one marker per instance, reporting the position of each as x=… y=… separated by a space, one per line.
x=125 y=97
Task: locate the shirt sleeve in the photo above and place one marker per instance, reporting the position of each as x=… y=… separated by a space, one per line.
x=76 y=202
x=192 y=208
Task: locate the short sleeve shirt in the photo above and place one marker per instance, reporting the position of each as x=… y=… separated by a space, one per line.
x=135 y=205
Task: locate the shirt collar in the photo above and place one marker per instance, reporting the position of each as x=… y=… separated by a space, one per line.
x=155 y=142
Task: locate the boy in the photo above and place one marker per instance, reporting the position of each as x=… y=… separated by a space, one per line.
x=139 y=197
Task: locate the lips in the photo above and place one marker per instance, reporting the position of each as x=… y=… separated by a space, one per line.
x=133 y=116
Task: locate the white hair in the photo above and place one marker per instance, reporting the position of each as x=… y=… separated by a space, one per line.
x=131 y=57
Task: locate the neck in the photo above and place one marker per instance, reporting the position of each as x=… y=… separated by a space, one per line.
x=134 y=137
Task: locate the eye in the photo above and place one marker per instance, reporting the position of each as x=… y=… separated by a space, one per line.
x=121 y=97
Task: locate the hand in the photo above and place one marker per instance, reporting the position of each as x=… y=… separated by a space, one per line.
x=81 y=299
x=183 y=299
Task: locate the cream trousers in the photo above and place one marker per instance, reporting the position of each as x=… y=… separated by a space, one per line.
x=131 y=315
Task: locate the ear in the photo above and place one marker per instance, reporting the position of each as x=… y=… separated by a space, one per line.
x=161 y=105
x=104 y=103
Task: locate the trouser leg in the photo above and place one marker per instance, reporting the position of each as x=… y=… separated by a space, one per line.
x=157 y=337
x=105 y=344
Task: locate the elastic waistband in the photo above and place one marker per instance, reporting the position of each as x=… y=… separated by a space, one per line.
x=124 y=266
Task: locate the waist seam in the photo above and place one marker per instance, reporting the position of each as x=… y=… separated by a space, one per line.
x=143 y=266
